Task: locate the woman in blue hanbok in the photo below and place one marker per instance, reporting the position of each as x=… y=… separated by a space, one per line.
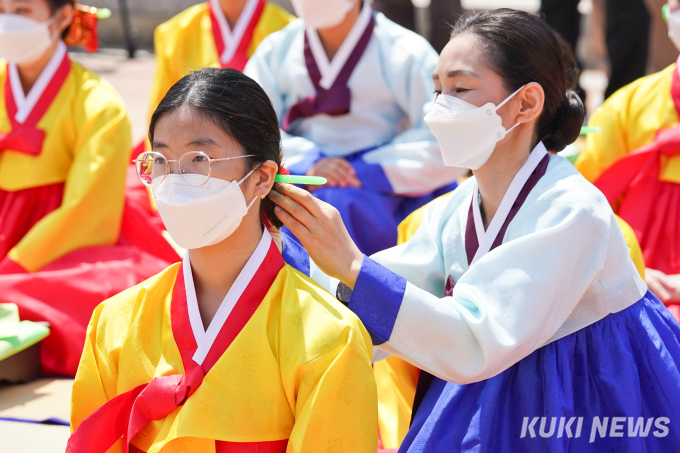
x=516 y=296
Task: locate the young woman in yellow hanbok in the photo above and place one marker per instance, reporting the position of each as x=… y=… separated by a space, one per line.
x=231 y=350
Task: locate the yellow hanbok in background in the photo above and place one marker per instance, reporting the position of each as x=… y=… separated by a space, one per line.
x=68 y=237
x=635 y=162
x=200 y=37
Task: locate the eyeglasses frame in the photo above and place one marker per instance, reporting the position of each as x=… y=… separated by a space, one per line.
x=167 y=167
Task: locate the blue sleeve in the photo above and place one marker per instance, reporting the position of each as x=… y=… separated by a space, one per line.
x=372 y=176
x=294 y=254
x=376 y=299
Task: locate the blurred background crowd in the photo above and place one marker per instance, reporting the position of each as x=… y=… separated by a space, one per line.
x=615 y=42
x=625 y=37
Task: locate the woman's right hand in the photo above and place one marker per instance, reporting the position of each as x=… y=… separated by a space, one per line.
x=321 y=231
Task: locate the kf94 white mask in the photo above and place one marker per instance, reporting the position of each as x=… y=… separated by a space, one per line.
x=322 y=13
x=674 y=28
x=23 y=40
x=467 y=134
x=199 y=216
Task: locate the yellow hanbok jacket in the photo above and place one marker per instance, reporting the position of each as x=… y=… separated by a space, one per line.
x=630 y=119
x=300 y=369
x=86 y=147
x=186 y=43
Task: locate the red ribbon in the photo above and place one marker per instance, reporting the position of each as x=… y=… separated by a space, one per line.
x=24 y=139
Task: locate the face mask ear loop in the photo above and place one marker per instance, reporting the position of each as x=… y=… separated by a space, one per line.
x=252 y=202
x=508 y=99
x=50 y=21
x=249 y=173
x=246 y=177
x=508 y=131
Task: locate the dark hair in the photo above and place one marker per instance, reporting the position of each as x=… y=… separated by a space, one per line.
x=54 y=6
x=236 y=104
x=522 y=48
x=570 y=63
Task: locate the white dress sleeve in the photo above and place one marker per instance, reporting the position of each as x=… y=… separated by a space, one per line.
x=508 y=304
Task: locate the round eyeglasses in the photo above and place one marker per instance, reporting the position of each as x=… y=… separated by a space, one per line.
x=153 y=167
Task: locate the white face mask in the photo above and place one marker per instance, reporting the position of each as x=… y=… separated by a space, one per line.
x=23 y=40
x=467 y=134
x=674 y=28
x=199 y=216
x=322 y=13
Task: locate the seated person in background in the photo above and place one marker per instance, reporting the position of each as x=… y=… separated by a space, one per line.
x=64 y=148
x=219 y=33
x=232 y=350
x=635 y=162
x=350 y=87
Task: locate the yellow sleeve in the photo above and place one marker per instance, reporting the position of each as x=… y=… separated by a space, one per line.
x=94 y=382
x=408 y=227
x=336 y=405
x=396 y=380
x=273 y=19
x=92 y=207
x=163 y=78
x=609 y=145
x=633 y=246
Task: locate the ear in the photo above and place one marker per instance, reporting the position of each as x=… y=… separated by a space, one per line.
x=531 y=99
x=63 y=18
x=265 y=178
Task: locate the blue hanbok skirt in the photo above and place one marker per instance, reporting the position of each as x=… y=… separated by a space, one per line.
x=613 y=386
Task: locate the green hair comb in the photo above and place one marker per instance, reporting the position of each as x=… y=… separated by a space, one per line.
x=294 y=179
x=590 y=130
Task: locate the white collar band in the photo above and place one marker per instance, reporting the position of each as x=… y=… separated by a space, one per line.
x=26 y=103
x=330 y=69
x=206 y=338
x=485 y=239
x=232 y=39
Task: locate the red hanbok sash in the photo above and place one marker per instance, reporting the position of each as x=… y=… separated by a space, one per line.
x=128 y=413
x=233 y=54
x=650 y=206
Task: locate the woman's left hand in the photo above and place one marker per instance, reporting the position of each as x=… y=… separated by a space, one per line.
x=321 y=231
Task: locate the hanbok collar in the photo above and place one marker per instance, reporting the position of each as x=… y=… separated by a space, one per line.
x=486 y=239
x=332 y=96
x=330 y=69
x=26 y=110
x=205 y=339
x=232 y=44
x=40 y=94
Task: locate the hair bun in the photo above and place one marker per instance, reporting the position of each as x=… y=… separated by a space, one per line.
x=566 y=126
